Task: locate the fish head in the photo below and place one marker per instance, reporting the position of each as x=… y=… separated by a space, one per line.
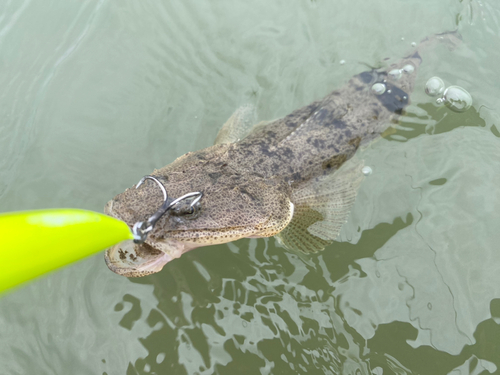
x=233 y=205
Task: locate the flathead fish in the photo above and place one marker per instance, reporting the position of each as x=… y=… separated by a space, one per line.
x=294 y=178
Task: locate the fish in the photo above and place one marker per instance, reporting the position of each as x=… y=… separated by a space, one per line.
x=295 y=178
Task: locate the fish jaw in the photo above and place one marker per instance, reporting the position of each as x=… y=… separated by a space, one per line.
x=136 y=260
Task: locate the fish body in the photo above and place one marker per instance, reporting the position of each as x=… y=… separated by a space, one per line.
x=294 y=178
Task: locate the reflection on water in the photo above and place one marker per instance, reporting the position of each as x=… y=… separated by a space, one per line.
x=270 y=310
x=97 y=94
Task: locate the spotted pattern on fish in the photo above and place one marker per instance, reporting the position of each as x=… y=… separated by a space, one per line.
x=260 y=185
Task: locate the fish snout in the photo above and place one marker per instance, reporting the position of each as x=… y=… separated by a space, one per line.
x=135 y=260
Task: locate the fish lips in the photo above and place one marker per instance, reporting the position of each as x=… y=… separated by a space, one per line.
x=135 y=260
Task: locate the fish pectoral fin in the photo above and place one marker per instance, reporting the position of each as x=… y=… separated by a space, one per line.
x=237 y=126
x=322 y=206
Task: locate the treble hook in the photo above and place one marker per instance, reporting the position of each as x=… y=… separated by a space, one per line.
x=141 y=229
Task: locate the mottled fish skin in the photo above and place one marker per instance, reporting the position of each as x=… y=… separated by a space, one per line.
x=320 y=137
x=248 y=185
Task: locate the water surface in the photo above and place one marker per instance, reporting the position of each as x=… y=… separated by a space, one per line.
x=97 y=94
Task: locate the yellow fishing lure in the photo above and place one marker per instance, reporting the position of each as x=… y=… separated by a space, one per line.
x=36 y=242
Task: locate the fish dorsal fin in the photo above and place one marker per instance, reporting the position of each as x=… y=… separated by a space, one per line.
x=237 y=126
x=322 y=206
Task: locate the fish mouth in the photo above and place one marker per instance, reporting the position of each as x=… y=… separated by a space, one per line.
x=135 y=260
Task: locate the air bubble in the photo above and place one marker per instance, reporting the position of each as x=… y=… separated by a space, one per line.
x=434 y=86
x=388 y=91
x=457 y=99
x=160 y=358
x=378 y=88
x=366 y=171
x=342 y=62
x=439 y=101
x=395 y=74
x=408 y=69
x=413 y=44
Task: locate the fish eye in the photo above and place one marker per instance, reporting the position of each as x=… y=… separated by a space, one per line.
x=185 y=210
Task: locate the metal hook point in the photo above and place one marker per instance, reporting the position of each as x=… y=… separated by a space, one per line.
x=160 y=185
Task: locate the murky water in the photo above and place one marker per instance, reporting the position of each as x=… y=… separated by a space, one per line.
x=96 y=94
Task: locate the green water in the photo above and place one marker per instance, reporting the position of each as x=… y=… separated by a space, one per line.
x=96 y=94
